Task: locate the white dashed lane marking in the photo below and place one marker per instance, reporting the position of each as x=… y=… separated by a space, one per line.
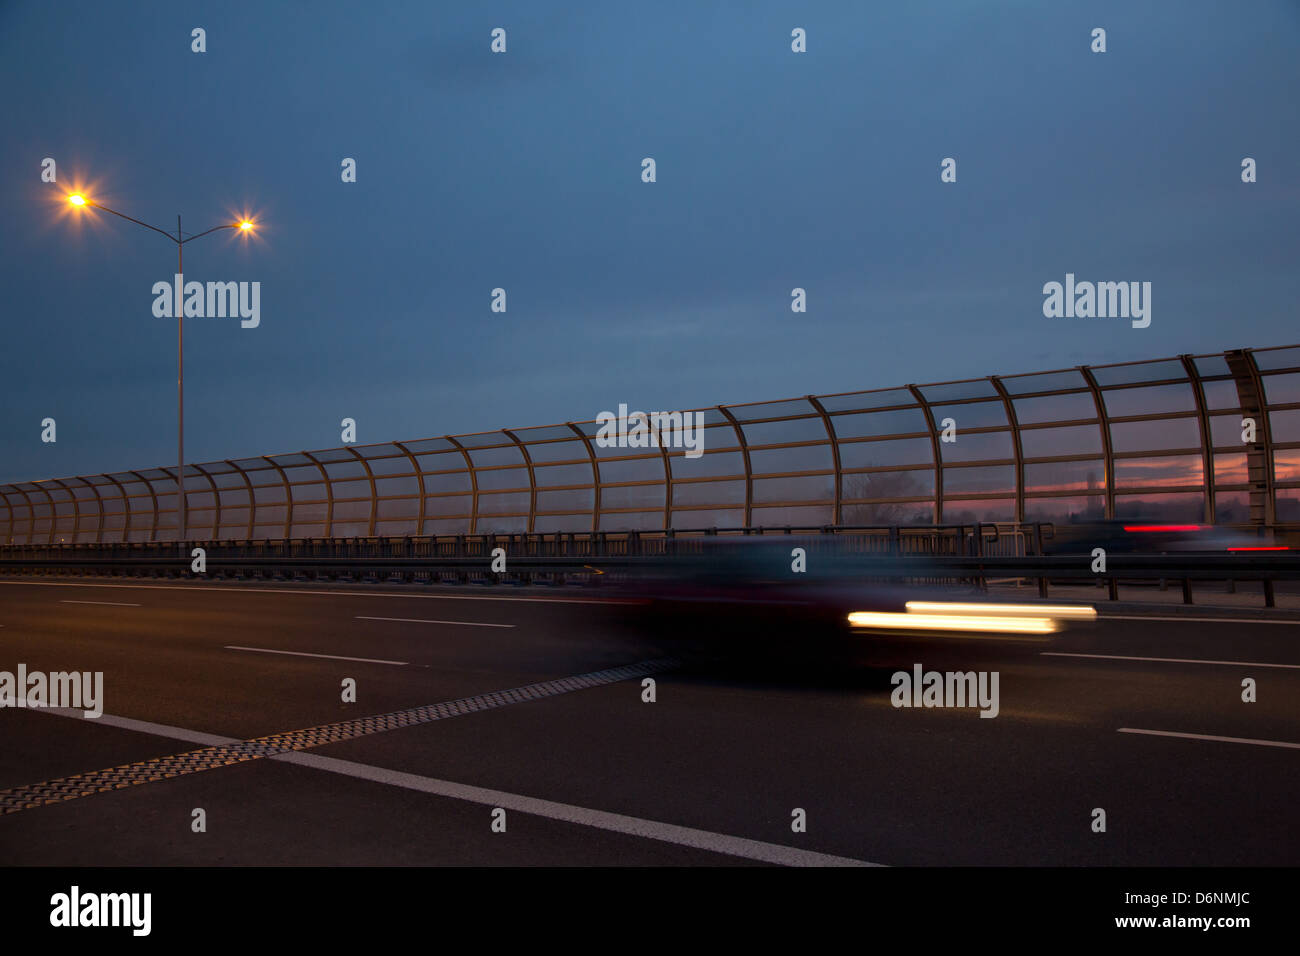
x=1169 y=660
x=1225 y=740
x=332 y=657
x=107 y=603
x=417 y=620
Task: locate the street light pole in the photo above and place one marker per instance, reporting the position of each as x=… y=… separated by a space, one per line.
x=180 y=394
x=244 y=226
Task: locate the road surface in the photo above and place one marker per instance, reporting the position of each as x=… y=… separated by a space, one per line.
x=1143 y=718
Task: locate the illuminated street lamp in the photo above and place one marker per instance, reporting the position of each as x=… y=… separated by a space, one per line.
x=243 y=226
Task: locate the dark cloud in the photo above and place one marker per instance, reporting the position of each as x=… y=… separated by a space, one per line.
x=522 y=171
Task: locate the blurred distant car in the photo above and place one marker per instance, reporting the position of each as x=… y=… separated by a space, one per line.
x=1145 y=537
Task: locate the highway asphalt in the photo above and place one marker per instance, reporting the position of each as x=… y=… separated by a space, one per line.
x=1141 y=716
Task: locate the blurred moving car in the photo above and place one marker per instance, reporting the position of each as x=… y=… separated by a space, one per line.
x=777 y=587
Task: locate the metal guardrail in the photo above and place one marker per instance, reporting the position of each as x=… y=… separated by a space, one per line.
x=970 y=554
x=559 y=558
x=982 y=538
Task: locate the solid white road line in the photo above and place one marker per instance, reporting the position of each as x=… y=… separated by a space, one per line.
x=568 y=813
x=416 y=620
x=109 y=603
x=369 y=594
x=1194 y=620
x=1226 y=740
x=583 y=816
x=1169 y=660
x=332 y=657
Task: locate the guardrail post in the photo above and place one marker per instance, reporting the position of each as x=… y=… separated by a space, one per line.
x=1187 y=590
x=1269 y=599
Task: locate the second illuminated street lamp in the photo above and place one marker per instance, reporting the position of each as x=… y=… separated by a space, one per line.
x=244 y=226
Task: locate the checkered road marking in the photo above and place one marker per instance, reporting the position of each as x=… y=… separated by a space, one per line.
x=209 y=758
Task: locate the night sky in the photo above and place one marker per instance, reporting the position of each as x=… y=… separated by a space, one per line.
x=523 y=171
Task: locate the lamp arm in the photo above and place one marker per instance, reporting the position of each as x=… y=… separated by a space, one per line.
x=91 y=202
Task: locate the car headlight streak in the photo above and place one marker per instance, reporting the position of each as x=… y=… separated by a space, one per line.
x=974 y=618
